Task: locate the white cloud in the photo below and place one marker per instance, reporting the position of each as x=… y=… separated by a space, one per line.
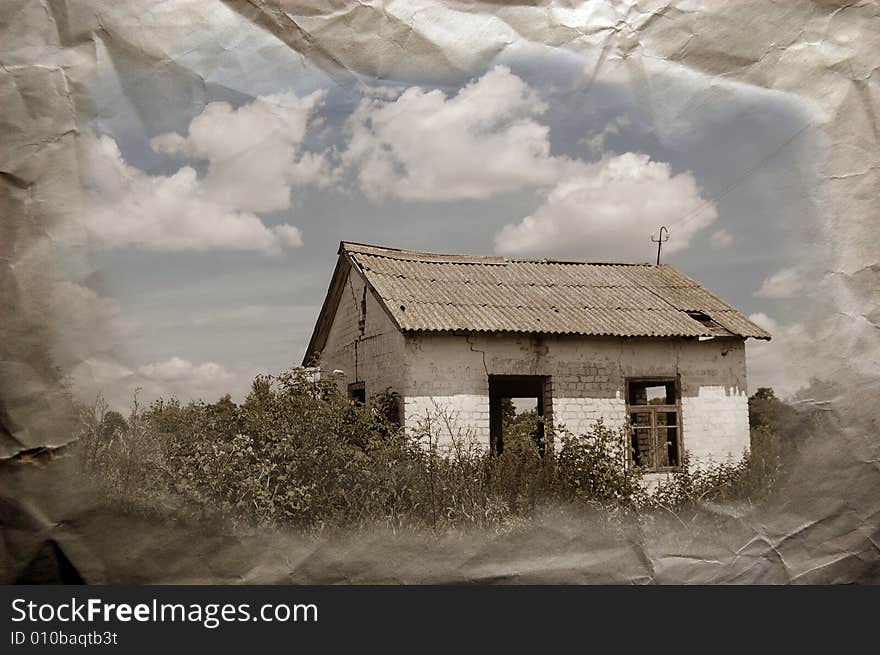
x=80 y=308
x=608 y=210
x=721 y=239
x=179 y=370
x=254 y=153
x=241 y=316
x=289 y=235
x=783 y=284
x=596 y=143
x=762 y=320
x=425 y=145
x=485 y=141
x=253 y=158
x=779 y=363
x=102 y=375
x=840 y=346
x=378 y=91
x=173 y=377
x=85 y=322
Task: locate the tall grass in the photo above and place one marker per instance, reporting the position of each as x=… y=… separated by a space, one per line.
x=297 y=454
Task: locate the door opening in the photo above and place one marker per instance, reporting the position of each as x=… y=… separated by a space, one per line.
x=357 y=391
x=519 y=402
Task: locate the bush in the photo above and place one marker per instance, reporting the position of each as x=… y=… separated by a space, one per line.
x=594 y=468
x=298 y=454
x=746 y=479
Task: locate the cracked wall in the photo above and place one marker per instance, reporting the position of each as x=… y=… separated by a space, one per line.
x=362 y=341
x=448 y=375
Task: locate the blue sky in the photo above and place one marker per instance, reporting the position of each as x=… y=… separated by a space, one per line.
x=529 y=156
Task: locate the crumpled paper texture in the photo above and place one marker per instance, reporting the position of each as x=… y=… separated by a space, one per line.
x=824 y=529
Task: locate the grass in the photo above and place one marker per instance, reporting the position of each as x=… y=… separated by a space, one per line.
x=298 y=455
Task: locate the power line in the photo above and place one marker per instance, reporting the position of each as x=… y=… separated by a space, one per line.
x=730 y=187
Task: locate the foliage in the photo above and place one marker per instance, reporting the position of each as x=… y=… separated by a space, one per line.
x=750 y=477
x=747 y=478
x=297 y=453
x=767 y=411
x=594 y=467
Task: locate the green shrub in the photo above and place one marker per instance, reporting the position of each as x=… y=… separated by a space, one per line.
x=297 y=453
x=594 y=468
x=746 y=479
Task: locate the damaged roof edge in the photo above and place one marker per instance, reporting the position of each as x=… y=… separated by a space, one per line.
x=460 y=258
x=344 y=265
x=328 y=309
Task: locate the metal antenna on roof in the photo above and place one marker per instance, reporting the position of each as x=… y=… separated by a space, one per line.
x=660 y=241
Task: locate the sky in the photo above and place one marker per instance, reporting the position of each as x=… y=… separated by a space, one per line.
x=216 y=192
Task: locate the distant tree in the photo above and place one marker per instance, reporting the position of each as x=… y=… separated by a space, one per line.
x=112 y=425
x=766 y=410
x=261 y=394
x=224 y=417
x=508 y=412
x=776 y=431
x=764 y=393
x=167 y=416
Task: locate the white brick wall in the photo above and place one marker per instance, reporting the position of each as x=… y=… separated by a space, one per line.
x=588 y=378
x=463 y=417
x=715 y=425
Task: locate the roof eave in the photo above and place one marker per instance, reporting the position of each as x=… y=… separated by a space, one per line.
x=608 y=335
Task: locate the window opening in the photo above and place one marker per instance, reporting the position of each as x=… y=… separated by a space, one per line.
x=653 y=407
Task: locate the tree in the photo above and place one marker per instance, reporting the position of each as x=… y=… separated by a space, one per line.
x=508 y=412
x=766 y=410
x=112 y=425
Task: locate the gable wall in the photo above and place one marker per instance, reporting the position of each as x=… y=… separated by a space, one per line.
x=372 y=356
x=449 y=374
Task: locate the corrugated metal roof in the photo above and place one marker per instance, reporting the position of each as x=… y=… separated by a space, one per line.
x=435 y=292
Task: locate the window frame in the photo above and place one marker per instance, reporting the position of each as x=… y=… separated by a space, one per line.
x=654 y=410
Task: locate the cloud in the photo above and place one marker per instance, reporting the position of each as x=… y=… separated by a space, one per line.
x=105 y=376
x=251 y=315
x=596 y=142
x=176 y=369
x=486 y=140
x=785 y=283
x=85 y=322
x=842 y=345
x=254 y=153
x=762 y=320
x=378 y=90
x=173 y=377
x=288 y=235
x=787 y=362
x=721 y=239
x=425 y=145
x=252 y=157
x=608 y=210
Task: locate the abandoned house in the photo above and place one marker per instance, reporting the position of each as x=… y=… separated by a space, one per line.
x=638 y=345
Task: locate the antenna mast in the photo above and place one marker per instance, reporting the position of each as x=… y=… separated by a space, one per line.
x=660 y=240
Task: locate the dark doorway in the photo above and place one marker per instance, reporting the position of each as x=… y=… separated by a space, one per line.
x=518 y=392
x=357 y=391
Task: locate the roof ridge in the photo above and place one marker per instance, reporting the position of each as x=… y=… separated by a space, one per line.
x=578 y=306
x=465 y=258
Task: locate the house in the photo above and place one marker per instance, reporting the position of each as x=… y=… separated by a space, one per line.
x=638 y=345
